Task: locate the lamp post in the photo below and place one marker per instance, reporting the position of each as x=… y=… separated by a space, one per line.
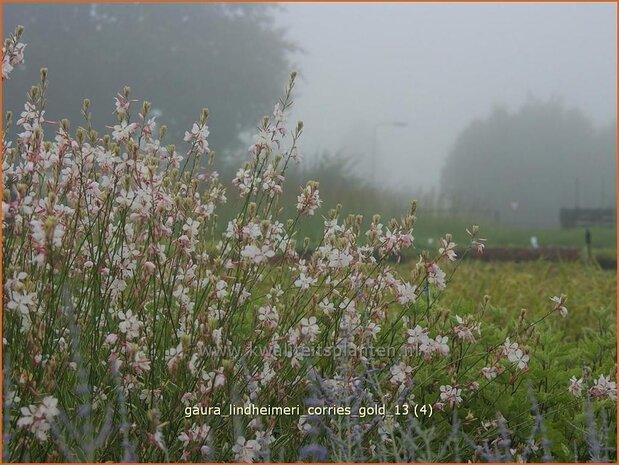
x=393 y=124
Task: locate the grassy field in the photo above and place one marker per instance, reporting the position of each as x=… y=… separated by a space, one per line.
x=581 y=344
x=513 y=286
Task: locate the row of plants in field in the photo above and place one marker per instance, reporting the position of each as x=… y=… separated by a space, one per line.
x=129 y=312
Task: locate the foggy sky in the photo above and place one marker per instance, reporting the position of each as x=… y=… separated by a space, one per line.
x=437 y=67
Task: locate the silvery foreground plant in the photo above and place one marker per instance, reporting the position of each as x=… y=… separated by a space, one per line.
x=126 y=304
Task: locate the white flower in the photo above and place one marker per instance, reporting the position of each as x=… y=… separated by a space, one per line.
x=304 y=282
x=129 y=324
x=327 y=307
x=37 y=419
x=309 y=328
x=451 y=395
x=123 y=131
x=141 y=363
x=436 y=276
x=220 y=289
x=406 y=293
x=489 y=372
x=400 y=372
x=246 y=451
x=256 y=254
x=604 y=387
x=576 y=386
x=560 y=304
x=339 y=259
x=417 y=336
x=447 y=249
x=198 y=135
x=518 y=358
x=269 y=316
x=21 y=303
x=309 y=199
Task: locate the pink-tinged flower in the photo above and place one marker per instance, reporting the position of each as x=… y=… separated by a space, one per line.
x=559 y=304
x=576 y=386
x=129 y=324
x=451 y=395
x=436 y=276
x=110 y=340
x=509 y=347
x=122 y=104
x=195 y=434
x=122 y=132
x=447 y=249
x=269 y=316
x=406 y=293
x=339 y=258
x=327 y=307
x=256 y=254
x=490 y=372
x=304 y=282
x=12 y=55
x=465 y=329
x=246 y=451
x=7 y=68
x=417 y=336
x=271 y=181
x=604 y=388
x=518 y=358
x=198 y=135
x=37 y=418
x=479 y=245
x=173 y=356
x=309 y=199
x=149 y=267
x=440 y=345
x=214 y=379
x=141 y=363
x=244 y=182
x=22 y=302
x=400 y=373
x=220 y=289
x=309 y=328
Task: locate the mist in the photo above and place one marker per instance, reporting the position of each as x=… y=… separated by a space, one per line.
x=437 y=67
x=390 y=88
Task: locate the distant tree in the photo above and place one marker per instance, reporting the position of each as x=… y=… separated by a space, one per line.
x=528 y=164
x=182 y=57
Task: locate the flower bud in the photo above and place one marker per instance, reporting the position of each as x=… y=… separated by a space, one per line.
x=227 y=364
x=251 y=209
x=204 y=115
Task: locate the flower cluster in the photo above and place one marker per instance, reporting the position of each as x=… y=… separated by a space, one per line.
x=602 y=388
x=12 y=52
x=178 y=304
